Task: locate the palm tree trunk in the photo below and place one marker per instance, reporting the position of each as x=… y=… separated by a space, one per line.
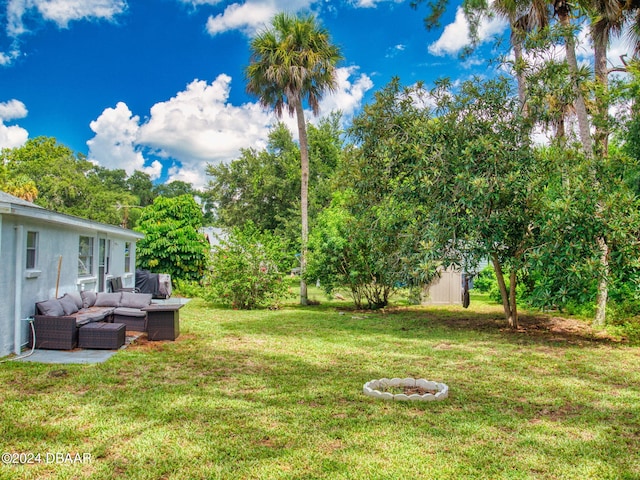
x=602 y=150
x=603 y=286
x=562 y=8
x=304 y=197
x=584 y=127
x=602 y=103
x=519 y=64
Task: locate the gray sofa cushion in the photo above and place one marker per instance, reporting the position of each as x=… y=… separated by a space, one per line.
x=129 y=312
x=88 y=299
x=108 y=299
x=75 y=296
x=95 y=314
x=51 y=308
x=68 y=305
x=135 y=300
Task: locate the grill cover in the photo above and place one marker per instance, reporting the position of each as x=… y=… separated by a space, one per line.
x=157 y=284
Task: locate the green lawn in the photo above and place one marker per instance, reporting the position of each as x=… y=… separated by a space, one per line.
x=278 y=394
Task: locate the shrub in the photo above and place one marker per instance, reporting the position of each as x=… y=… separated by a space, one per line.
x=186 y=288
x=486 y=280
x=244 y=270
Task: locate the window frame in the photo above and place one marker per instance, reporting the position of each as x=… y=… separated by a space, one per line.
x=127 y=257
x=31 y=261
x=86 y=258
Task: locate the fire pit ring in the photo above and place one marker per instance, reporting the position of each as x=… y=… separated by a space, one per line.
x=418 y=389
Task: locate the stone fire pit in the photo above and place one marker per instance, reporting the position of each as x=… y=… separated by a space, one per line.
x=406 y=389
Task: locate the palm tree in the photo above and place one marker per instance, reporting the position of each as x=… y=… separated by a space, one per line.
x=20 y=186
x=523 y=16
x=609 y=18
x=292 y=62
x=562 y=9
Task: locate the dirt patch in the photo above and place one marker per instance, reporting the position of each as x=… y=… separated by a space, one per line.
x=559 y=329
x=549 y=328
x=143 y=343
x=407 y=390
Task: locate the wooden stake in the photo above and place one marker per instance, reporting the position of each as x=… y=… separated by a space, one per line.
x=58 y=278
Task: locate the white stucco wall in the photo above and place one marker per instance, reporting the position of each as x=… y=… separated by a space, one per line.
x=58 y=241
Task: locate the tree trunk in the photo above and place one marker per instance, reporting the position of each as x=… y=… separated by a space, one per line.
x=513 y=281
x=304 y=197
x=584 y=127
x=602 y=150
x=602 y=103
x=603 y=287
x=508 y=298
x=519 y=63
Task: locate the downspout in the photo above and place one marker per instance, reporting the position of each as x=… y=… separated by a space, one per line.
x=17 y=302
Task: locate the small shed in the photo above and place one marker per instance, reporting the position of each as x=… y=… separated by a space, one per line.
x=45 y=253
x=444 y=289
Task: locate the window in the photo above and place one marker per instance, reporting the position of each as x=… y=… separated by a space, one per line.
x=85 y=257
x=127 y=257
x=32 y=249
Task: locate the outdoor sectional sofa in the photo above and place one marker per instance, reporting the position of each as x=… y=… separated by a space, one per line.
x=57 y=321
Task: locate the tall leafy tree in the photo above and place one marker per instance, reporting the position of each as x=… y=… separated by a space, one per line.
x=175 y=188
x=60 y=176
x=172 y=242
x=469 y=173
x=262 y=186
x=140 y=185
x=66 y=182
x=291 y=63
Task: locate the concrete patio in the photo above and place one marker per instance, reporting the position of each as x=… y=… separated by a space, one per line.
x=77 y=355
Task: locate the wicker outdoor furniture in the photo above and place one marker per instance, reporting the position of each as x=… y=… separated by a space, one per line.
x=102 y=335
x=57 y=321
x=57 y=333
x=163 y=321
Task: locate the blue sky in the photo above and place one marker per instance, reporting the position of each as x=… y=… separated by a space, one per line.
x=157 y=85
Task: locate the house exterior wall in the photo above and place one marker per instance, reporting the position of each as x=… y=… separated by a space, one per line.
x=7 y=286
x=58 y=241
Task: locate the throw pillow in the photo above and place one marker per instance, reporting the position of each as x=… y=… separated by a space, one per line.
x=68 y=305
x=135 y=300
x=75 y=296
x=108 y=299
x=51 y=308
x=88 y=299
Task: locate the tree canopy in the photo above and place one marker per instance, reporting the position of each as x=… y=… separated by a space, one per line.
x=173 y=243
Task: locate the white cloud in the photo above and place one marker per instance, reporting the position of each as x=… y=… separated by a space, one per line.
x=199 y=126
x=372 y=3
x=12 y=109
x=12 y=136
x=456 y=35
x=61 y=12
x=349 y=95
x=7 y=58
x=114 y=145
x=395 y=50
x=252 y=15
x=195 y=3
x=347 y=99
x=248 y=17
